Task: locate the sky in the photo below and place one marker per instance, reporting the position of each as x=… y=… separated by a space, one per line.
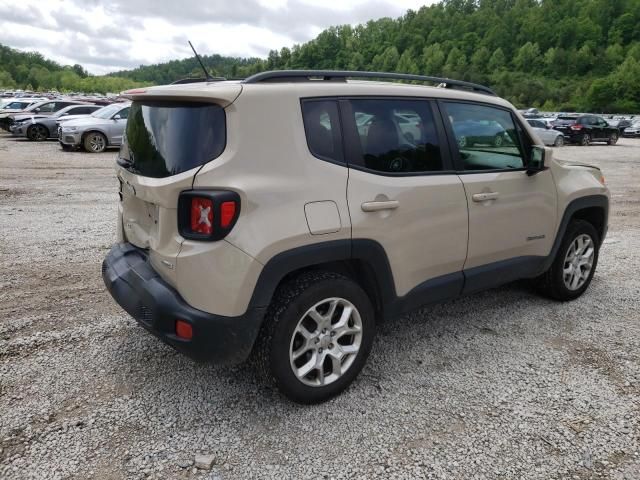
x=110 y=35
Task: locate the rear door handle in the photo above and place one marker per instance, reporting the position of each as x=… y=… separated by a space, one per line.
x=377 y=206
x=483 y=197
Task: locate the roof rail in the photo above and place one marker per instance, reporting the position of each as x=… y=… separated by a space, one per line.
x=340 y=75
x=197 y=80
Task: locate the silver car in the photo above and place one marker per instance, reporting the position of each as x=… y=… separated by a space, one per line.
x=41 y=127
x=547 y=134
x=102 y=129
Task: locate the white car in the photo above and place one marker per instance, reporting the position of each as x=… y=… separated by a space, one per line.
x=546 y=133
x=633 y=130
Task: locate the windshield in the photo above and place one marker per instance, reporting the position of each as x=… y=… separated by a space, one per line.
x=108 y=111
x=167 y=138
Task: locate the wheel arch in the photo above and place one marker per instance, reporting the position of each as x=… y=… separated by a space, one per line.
x=92 y=130
x=591 y=208
x=363 y=261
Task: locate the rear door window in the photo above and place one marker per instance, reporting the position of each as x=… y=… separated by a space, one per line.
x=166 y=138
x=395 y=136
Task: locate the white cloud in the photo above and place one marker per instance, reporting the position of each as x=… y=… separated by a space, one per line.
x=110 y=35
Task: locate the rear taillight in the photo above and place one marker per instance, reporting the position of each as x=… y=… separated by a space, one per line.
x=202 y=215
x=207 y=215
x=576 y=127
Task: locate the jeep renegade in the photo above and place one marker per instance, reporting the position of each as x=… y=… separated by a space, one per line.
x=279 y=217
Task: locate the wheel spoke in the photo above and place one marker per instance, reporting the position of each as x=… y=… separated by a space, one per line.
x=304 y=370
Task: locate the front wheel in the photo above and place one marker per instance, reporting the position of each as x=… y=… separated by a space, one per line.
x=613 y=139
x=571 y=272
x=95 y=142
x=317 y=335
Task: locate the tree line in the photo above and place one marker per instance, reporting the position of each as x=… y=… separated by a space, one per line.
x=564 y=55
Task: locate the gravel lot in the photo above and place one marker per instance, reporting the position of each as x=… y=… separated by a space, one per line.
x=500 y=385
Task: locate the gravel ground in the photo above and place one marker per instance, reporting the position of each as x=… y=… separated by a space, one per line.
x=499 y=385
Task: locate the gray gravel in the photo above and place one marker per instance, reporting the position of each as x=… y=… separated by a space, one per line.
x=500 y=385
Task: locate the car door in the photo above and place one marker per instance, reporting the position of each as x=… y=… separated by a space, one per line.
x=512 y=215
x=116 y=129
x=405 y=196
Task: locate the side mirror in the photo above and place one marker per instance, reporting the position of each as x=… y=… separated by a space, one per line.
x=37 y=110
x=117 y=116
x=536 y=160
x=547 y=126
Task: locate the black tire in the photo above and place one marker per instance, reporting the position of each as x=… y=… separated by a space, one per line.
x=559 y=142
x=288 y=307
x=37 y=133
x=613 y=139
x=94 y=142
x=551 y=283
x=585 y=140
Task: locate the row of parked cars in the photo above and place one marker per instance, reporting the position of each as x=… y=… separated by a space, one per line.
x=583 y=129
x=75 y=123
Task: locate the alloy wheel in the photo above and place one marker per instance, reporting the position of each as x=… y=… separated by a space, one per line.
x=97 y=143
x=325 y=342
x=578 y=262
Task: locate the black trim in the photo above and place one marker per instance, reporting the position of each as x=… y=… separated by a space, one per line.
x=137 y=287
x=498 y=273
x=590 y=201
x=141 y=292
x=217 y=197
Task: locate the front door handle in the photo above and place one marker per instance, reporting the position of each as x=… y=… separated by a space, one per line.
x=483 y=197
x=378 y=206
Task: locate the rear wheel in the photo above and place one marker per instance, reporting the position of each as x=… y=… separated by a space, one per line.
x=613 y=139
x=586 y=140
x=316 y=337
x=572 y=270
x=95 y=142
x=559 y=142
x=37 y=133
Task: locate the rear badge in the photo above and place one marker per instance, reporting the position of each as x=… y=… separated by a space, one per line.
x=537 y=237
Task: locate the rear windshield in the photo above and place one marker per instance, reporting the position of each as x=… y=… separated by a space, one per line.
x=565 y=120
x=167 y=138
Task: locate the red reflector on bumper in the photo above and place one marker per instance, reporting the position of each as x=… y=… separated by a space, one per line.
x=184 y=330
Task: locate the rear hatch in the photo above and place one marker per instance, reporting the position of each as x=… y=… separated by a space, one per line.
x=564 y=124
x=167 y=139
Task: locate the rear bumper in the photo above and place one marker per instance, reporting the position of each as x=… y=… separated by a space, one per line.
x=141 y=292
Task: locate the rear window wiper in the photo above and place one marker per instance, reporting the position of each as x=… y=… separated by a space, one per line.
x=127 y=164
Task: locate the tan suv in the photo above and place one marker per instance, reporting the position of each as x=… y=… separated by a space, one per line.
x=281 y=216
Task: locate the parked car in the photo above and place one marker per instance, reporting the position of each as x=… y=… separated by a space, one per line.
x=548 y=135
x=620 y=124
x=16 y=105
x=39 y=127
x=586 y=129
x=42 y=108
x=474 y=132
x=633 y=130
x=258 y=221
x=102 y=129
